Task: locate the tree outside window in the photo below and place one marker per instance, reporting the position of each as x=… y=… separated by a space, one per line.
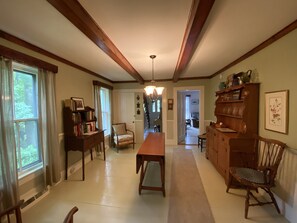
x=26 y=117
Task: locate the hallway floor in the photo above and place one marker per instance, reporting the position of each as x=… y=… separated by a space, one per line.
x=191 y=138
x=110 y=194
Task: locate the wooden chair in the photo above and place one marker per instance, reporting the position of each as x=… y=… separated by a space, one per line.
x=121 y=135
x=69 y=216
x=13 y=212
x=268 y=156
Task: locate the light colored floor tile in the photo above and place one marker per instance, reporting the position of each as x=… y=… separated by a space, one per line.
x=229 y=207
x=110 y=194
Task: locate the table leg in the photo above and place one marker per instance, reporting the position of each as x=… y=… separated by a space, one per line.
x=83 y=165
x=66 y=164
x=141 y=177
x=162 y=167
x=103 y=149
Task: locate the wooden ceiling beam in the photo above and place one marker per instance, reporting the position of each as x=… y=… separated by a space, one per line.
x=198 y=15
x=79 y=17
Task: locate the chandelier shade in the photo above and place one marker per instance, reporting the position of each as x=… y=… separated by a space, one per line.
x=152 y=91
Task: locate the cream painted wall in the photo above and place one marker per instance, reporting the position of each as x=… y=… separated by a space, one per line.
x=70 y=82
x=276 y=68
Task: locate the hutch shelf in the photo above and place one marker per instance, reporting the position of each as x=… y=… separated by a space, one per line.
x=229 y=140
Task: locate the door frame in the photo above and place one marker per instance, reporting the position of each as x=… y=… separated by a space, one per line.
x=164 y=106
x=201 y=108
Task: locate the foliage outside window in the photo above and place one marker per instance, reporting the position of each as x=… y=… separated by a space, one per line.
x=105 y=110
x=26 y=118
x=156 y=106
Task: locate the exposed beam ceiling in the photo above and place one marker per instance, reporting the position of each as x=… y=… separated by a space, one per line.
x=73 y=11
x=112 y=39
x=199 y=13
x=76 y=14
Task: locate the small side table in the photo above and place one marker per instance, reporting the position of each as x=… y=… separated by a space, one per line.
x=201 y=138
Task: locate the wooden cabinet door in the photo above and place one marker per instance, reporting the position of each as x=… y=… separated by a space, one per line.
x=223 y=145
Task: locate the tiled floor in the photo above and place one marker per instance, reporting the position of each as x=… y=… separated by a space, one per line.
x=110 y=194
x=191 y=136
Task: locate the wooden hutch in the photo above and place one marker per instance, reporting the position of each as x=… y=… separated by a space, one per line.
x=81 y=134
x=229 y=141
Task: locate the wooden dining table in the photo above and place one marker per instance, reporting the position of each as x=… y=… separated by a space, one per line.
x=151 y=150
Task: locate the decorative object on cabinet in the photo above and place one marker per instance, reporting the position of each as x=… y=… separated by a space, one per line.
x=276 y=111
x=170 y=104
x=122 y=136
x=229 y=141
x=81 y=134
x=222 y=85
x=268 y=154
x=246 y=76
x=79 y=103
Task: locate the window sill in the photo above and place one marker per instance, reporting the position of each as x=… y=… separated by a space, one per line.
x=30 y=174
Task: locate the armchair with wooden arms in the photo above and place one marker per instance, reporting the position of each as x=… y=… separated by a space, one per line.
x=268 y=156
x=122 y=136
x=13 y=212
x=69 y=216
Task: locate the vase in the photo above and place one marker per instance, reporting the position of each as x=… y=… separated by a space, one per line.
x=222 y=85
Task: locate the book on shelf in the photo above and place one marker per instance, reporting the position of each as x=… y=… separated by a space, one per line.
x=76 y=117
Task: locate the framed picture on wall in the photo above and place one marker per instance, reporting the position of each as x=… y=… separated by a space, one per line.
x=195 y=101
x=276 y=111
x=170 y=104
x=79 y=103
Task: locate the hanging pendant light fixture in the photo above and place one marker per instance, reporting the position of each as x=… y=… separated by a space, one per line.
x=152 y=91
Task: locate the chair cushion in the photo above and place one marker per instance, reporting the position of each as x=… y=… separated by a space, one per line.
x=248 y=174
x=123 y=139
x=119 y=129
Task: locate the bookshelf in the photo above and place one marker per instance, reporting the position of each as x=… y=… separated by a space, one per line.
x=80 y=132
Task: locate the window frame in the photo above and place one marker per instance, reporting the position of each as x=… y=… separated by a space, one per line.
x=38 y=164
x=103 y=112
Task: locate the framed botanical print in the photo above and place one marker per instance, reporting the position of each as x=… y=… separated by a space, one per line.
x=276 y=111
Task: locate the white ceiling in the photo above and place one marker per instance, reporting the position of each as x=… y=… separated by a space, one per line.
x=139 y=28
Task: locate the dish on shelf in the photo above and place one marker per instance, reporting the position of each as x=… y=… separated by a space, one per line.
x=226 y=130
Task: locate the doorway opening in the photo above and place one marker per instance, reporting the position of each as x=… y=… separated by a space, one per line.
x=188 y=115
x=152 y=115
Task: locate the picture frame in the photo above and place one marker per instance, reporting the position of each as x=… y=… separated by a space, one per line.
x=195 y=101
x=276 y=111
x=170 y=104
x=79 y=103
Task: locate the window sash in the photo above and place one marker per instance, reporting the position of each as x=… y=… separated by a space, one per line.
x=26 y=125
x=105 y=110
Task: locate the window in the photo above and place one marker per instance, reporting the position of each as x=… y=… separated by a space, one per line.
x=26 y=118
x=187 y=107
x=153 y=106
x=156 y=106
x=105 y=110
